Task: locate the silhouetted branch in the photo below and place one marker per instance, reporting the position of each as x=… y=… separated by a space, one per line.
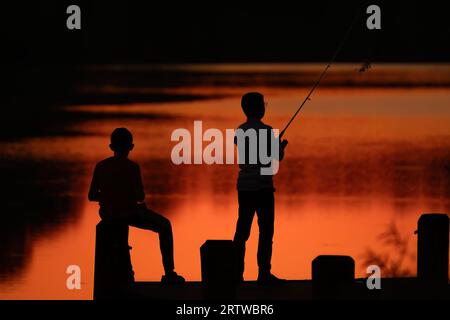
x=392 y=265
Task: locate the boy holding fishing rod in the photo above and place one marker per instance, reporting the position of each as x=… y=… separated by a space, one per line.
x=256 y=190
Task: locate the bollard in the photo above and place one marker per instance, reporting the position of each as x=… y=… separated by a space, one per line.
x=432 y=249
x=218 y=267
x=333 y=276
x=113 y=270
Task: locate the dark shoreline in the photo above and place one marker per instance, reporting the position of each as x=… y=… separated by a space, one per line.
x=35 y=95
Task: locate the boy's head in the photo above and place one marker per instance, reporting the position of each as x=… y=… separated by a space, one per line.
x=121 y=141
x=253 y=105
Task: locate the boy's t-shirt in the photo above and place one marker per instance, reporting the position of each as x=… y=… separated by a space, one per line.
x=250 y=177
x=118 y=184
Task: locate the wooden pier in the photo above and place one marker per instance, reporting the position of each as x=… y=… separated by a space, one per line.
x=391 y=289
x=333 y=277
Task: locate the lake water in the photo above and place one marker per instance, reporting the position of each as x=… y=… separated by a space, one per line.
x=361 y=166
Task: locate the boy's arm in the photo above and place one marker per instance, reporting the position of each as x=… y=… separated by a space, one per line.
x=94 y=190
x=281 y=144
x=139 y=188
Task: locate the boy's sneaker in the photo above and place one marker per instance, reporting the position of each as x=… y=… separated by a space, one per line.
x=172 y=278
x=270 y=279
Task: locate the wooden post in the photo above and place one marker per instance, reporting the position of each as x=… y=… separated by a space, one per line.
x=432 y=249
x=113 y=270
x=332 y=276
x=218 y=264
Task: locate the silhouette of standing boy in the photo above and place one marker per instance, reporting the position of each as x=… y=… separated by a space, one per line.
x=256 y=194
x=117 y=186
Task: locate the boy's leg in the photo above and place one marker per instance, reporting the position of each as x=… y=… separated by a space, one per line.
x=243 y=227
x=266 y=213
x=150 y=220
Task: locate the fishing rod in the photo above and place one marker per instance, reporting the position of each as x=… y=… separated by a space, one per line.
x=316 y=84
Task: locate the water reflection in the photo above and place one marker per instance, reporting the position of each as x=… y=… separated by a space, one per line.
x=39 y=197
x=344 y=178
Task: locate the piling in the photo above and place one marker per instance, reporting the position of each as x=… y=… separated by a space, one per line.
x=113 y=272
x=219 y=269
x=333 y=276
x=432 y=249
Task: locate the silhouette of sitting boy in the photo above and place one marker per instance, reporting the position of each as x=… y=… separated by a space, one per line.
x=117 y=186
x=256 y=194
